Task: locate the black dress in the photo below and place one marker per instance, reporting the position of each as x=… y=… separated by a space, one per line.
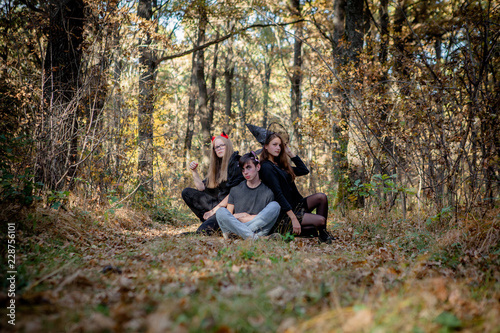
x=201 y=202
x=286 y=193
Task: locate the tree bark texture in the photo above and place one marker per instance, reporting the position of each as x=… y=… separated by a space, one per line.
x=267 y=83
x=228 y=85
x=384 y=30
x=146 y=104
x=193 y=90
x=213 y=83
x=206 y=121
x=338 y=30
x=354 y=27
x=57 y=153
x=296 y=91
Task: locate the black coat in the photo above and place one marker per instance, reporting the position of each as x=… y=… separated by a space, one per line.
x=280 y=182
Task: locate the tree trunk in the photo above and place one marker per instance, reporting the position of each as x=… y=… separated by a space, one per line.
x=146 y=104
x=206 y=122
x=211 y=100
x=57 y=155
x=193 y=89
x=399 y=19
x=387 y=141
x=267 y=82
x=115 y=115
x=384 y=30
x=339 y=29
x=340 y=137
x=228 y=79
x=296 y=74
x=354 y=27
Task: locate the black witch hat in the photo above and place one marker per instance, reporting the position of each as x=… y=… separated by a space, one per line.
x=260 y=133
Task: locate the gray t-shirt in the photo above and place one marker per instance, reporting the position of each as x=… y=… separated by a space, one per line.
x=250 y=200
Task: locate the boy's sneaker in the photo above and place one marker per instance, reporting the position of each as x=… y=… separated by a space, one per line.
x=325 y=237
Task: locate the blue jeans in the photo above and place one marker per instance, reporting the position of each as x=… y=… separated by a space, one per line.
x=260 y=225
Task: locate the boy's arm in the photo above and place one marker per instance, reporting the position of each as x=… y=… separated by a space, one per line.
x=244 y=217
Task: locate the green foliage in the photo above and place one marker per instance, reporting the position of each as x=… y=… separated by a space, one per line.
x=57 y=198
x=163 y=211
x=113 y=202
x=450 y=256
x=103 y=308
x=414 y=243
x=288 y=237
x=444 y=214
x=16 y=186
x=247 y=254
x=380 y=183
x=449 y=321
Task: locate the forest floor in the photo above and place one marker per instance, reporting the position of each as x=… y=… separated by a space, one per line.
x=119 y=271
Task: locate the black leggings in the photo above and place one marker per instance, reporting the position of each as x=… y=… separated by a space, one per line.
x=200 y=203
x=318 y=202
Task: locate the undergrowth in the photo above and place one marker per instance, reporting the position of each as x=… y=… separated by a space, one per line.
x=128 y=270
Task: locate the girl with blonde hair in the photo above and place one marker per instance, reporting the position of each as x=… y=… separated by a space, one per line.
x=212 y=192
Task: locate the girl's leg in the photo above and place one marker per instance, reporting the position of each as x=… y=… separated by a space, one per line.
x=198 y=201
x=313 y=220
x=318 y=201
x=209 y=227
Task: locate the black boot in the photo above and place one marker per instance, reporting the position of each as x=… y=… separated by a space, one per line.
x=325 y=237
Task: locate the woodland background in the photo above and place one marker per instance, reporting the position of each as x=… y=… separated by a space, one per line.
x=393 y=105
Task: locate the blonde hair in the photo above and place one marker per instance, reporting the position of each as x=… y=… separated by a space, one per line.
x=217 y=170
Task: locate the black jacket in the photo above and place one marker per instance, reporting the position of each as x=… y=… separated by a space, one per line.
x=280 y=182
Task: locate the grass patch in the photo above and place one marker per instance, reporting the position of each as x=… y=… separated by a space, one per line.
x=129 y=273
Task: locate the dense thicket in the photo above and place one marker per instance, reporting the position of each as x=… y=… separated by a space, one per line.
x=391 y=103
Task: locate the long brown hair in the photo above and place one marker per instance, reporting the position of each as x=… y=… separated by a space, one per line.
x=217 y=170
x=283 y=161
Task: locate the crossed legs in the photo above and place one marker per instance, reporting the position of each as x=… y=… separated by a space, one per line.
x=260 y=225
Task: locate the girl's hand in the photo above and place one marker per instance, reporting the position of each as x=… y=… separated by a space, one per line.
x=296 y=226
x=289 y=152
x=208 y=214
x=193 y=165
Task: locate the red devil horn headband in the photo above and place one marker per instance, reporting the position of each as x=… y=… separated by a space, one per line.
x=223 y=134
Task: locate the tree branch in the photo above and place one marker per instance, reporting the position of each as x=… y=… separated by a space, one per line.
x=223 y=38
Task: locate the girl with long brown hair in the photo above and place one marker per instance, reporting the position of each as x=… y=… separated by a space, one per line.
x=279 y=175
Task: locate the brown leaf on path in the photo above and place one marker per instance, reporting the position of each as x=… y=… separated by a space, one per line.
x=439 y=288
x=125 y=283
x=276 y=293
x=77 y=279
x=97 y=322
x=362 y=319
x=287 y=325
x=159 y=322
x=224 y=329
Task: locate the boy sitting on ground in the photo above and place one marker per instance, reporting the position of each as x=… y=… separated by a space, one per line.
x=251 y=211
